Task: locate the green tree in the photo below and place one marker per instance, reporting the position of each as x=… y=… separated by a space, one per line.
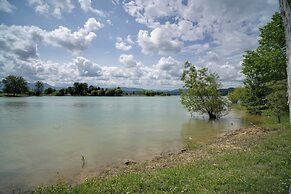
x=49 y=91
x=61 y=92
x=202 y=92
x=14 y=85
x=38 y=88
x=94 y=93
x=277 y=100
x=118 y=91
x=80 y=89
x=237 y=95
x=265 y=64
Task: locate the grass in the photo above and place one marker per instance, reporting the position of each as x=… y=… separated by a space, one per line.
x=263 y=165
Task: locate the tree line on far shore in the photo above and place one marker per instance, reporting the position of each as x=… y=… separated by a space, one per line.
x=18 y=86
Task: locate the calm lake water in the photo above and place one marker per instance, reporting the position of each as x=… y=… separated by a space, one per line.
x=43 y=139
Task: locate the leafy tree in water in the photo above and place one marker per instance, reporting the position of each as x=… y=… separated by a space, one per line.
x=202 y=92
x=265 y=64
x=38 y=88
x=14 y=85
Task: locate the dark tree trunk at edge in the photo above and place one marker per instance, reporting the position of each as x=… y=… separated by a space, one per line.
x=285 y=7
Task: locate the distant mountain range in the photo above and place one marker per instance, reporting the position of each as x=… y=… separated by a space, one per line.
x=131 y=90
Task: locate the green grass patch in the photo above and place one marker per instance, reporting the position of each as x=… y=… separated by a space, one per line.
x=271 y=122
x=264 y=168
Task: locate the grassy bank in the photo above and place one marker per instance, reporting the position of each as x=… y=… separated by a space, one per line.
x=254 y=160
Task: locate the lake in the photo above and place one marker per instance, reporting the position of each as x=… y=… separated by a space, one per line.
x=43 y=139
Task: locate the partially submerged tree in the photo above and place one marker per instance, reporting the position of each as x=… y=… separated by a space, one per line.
x=202 y=92
x=38 y=88
x=14 y=85
x=285 y=6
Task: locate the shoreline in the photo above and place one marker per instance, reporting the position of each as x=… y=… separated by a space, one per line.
x=237 y=142
x=226 y=140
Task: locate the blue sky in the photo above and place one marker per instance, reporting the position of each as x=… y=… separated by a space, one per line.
x=141 y=43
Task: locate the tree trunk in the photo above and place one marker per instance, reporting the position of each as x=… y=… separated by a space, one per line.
x=212 y=116
x=285 y=7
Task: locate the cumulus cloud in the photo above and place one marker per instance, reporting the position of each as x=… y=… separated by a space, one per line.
x=128 y=60
x=87 y=68
x=53 y=7
x=169 y=67
x=227 y=28
x=5 y=6
x=22 y=40
x=125 y=44
x=158 y=41
x=19 y=52
x=73 y=41
x=19 y=41
x=86 y=5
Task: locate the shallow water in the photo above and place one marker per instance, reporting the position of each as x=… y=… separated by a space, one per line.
x=44 y=138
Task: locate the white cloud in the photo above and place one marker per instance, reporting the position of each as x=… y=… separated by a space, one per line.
x=39 y=6
x=53 y=7
x=171 y=67
x=73 y=41
x=109 y=22
x=115 y=2
x=87 y=68
x=125 y=44
x=19 y=54
x=23 y=40
x=86 y=5
x=160 y=40
x=128 y=60
x=227 y=28
x=122 y=46
x=19 y=41
x=5 y=6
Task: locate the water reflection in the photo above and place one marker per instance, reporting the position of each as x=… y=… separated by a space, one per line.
x=15 y=104
x=200 y=130
x=18 y=105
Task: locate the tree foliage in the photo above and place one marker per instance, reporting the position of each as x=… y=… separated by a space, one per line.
x=237 y=95
x=265 y=64
x=277 y=100
x=49 y=91
x=14 y=85
x=38 y=88
x=202 y=92
x=80 y=89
